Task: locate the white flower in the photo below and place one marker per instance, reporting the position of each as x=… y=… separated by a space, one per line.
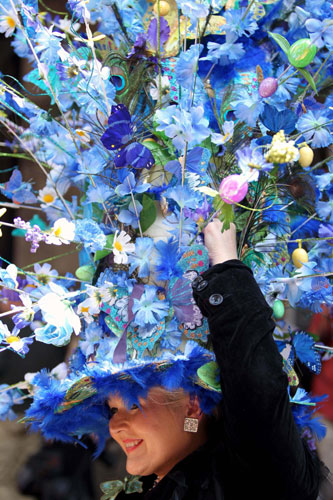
x=91 y=305
x=8 y=23
x=165 y=86
x=47 y=195
x=63 y=231
x=122 y=245
x=57 y=309
x=83 y=134
x=67 y=26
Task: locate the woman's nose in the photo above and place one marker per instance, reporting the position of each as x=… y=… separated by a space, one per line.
x=118 y=422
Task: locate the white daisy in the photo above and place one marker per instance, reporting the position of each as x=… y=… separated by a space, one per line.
x=122 y=246
x=47 y=195
x=8 y=23
x=63 y=231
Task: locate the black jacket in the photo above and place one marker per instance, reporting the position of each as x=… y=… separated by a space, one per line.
x=254 y=450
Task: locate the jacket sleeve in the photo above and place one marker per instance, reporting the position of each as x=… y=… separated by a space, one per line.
x=258 y=423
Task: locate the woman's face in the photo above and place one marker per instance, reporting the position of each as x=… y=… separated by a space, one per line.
x=153 y=437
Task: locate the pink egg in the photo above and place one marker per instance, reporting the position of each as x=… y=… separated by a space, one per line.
x=268 y=87
x=233 y=188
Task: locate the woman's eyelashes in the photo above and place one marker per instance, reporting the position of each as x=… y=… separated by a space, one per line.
x=113 y=410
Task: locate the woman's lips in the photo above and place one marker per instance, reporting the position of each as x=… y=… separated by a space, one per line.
x=132 y=444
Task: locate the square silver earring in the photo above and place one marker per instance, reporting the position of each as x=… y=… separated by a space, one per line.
x=191 y=424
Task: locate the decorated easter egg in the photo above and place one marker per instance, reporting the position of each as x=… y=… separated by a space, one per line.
x=302 y=52
x=299 y=257
x=233 y=188
x=278 y=309
x=268 y=87
x=305 y=156
x=164 y=8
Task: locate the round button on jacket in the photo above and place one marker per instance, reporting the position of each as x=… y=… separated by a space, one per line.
x=196 y=282
x=202 y=285
x=216 y=299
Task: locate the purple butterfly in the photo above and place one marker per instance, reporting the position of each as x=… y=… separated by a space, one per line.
x=18 y=191
x=119 y=136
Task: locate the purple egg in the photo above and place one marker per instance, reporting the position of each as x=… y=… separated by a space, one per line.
x=268 y=87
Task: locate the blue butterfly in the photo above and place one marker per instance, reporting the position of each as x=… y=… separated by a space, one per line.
x=303 y=347
x=196 y=162
x=18 y=191
x=119 y=136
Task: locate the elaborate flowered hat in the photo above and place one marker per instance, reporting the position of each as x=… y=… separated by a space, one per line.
x=159 y=118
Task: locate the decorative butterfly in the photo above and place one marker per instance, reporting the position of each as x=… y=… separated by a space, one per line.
x=119 y=136
x=111 y=489
x=302 y=347
x=18 y=191
x=196 y=162
x=180 y=295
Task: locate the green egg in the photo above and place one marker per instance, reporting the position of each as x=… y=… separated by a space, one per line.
x=278 y=309
x=302 y=52
x=85 y=273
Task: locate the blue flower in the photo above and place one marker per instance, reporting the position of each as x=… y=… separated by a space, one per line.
x=130 y=184
x=172 y=336
x=247 y=106
x=167 y=262
x=48 y=43
x=141 y=258
x=325 y=180
x=90 y=234
x=8 y=398
x=55 y=335
x=99 y=192
x=187 y=66
x=315 y=131
x=149 y=309
x=193 y=10
x=224 y=53
x=238 y=24
x=183 y=126
x=92 y=337
x=182 y=195
x=252 y=162
x=93 y=161
x=325 y=210
x=320 y=32
x=131 y=215
x=286 y=90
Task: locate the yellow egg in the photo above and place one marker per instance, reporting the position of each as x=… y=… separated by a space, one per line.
x=164 y=8
x=299 y=257
x=305 y=156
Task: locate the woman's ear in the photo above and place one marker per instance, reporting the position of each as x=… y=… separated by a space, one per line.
x=193 y=409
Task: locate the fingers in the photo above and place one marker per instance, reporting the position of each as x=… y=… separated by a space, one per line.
x=221 y=246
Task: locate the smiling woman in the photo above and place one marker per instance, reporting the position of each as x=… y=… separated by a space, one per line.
x=152 y=435
x=245 y=445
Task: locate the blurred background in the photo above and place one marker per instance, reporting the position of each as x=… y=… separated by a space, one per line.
x=32 y=469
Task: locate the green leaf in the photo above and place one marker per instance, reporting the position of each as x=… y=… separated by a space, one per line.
x=218 y=203
x=281 y=41
x=159 y=152
x=227 y=215
x=148 y=213
x=307 y=75
x=106 y=250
